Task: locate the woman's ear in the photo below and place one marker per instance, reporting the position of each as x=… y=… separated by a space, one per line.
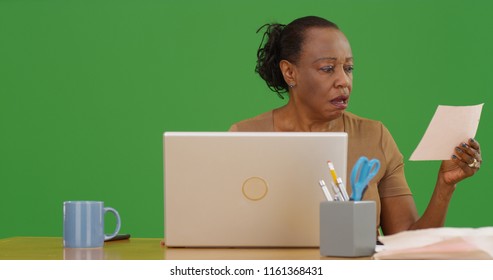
x=289 y=72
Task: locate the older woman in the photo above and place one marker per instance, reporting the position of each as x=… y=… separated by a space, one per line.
x=311 y=60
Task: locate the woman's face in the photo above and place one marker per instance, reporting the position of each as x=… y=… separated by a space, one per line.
x=323 y=73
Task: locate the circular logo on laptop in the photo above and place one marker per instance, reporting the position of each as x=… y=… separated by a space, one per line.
x=255 y=188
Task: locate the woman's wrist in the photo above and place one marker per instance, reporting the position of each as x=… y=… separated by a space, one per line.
x=444 y=190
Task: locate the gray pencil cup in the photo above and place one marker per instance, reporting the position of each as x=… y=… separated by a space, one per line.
x=348 y=228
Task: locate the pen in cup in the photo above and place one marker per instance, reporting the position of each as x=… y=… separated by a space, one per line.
x=338 y=181
x=343 y=188
x=325 y=190
x=337 y=193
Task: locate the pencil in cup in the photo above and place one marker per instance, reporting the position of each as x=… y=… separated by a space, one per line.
x=338 y=181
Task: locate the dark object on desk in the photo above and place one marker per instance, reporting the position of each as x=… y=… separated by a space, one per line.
x=119 y=237
x=379 y=243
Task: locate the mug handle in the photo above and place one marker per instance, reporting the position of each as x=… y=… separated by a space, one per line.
x=118 y=222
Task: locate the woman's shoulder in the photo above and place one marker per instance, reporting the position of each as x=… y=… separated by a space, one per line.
x=262 y=122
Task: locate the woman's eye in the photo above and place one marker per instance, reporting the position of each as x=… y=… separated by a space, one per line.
x=327 y=69
x=349 y=68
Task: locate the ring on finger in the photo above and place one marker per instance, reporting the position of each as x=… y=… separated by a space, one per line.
x=474 y=164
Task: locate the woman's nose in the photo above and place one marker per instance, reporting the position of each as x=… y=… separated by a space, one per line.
x=342 y=79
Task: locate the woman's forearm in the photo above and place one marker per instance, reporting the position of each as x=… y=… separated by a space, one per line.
x=436 y=212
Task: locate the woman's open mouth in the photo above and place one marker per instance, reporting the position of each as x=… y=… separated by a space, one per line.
x=340 y=102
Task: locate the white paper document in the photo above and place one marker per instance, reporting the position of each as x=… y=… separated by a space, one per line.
x=450 y=126
x=438 y=243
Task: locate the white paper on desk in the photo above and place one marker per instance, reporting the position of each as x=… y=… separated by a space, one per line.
x=438 y=243
x=450 y=126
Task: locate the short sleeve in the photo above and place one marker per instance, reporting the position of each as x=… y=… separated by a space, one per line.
x=393 y=182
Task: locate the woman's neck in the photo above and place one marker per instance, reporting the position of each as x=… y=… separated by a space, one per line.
x=291 y=118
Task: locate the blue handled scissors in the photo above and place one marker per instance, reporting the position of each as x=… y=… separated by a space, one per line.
x=363 y=171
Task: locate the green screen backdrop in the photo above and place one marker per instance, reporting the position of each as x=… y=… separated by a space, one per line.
x=88 y=87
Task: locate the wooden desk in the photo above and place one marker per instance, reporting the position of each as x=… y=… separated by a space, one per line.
x=51 y=248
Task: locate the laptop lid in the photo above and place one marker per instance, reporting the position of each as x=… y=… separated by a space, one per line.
x=247 y=189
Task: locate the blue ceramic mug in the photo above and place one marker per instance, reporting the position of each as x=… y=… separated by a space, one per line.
x=83 y=224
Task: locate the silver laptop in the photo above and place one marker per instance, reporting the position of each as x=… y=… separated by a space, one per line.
x=247 y=189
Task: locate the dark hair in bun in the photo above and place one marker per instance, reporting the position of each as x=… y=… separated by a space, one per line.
x=284 y=42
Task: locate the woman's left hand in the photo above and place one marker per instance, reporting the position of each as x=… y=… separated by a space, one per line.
x=464 y=163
